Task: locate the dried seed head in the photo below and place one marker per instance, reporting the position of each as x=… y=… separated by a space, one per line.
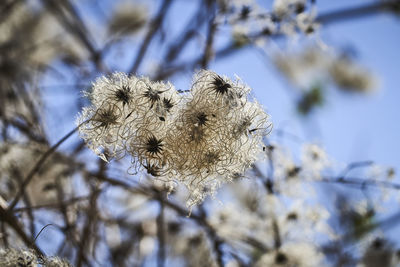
x=200 y=139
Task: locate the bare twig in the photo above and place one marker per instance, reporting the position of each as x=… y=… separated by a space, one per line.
x=361 y=183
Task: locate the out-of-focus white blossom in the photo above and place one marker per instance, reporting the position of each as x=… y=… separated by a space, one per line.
x=286 y=7
x=293 y=254
x=350 y=76
x=315 y=65
x=303 y=69
x=251 y=219
x=128 y=18
x=197 y=246
x=314 y=161
x=147 y=245
x=378 y=251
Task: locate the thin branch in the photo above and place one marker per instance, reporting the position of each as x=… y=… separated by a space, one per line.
x=360 y=182
x=355 y=165
x=71 y=201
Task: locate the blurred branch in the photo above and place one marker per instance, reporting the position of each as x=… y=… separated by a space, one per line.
x=212 y=28
x=37 y=167
x=187 y=34
x=384 y=224
x=161 y=235
x=155 y=26
x=200 y=219
x=76 y=27
x=7 y=9
x=26 y=130
x=7 y=217
x=359 y=11
x=87 y=232
x=68 y=202
x=360 y=182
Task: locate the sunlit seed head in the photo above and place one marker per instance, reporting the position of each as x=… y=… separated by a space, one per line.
x=242 y=126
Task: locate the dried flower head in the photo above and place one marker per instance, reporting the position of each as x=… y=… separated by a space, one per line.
x=202 y=139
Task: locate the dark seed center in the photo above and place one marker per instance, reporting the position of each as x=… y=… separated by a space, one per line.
x=201 y=118
x=220 y=86
x=123 y=95
x=154 y=146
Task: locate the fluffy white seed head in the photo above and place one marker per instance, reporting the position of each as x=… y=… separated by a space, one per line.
x=201 y=139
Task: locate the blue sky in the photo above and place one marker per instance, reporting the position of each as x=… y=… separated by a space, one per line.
x=351 y=127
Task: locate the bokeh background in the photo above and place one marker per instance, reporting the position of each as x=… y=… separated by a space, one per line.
x=55 y=50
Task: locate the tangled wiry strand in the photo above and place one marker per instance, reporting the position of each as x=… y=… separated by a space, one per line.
x=202 y=139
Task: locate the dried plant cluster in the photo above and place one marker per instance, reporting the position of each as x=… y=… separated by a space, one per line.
x=28 y=258
x=202 y=139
